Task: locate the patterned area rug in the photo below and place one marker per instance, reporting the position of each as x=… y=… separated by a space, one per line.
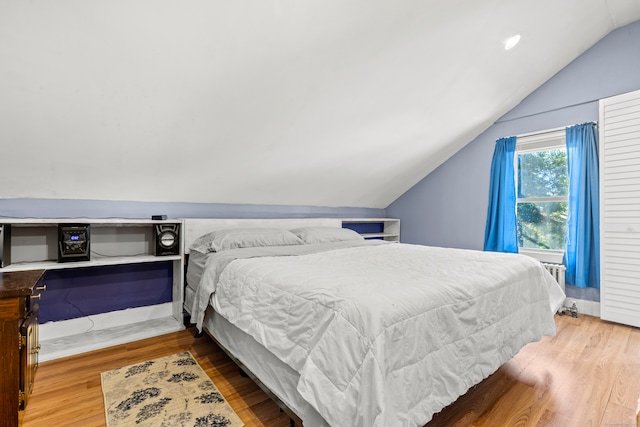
x=171 y=391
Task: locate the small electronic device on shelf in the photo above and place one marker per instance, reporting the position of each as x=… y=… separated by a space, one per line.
x=167 y=239
x=73 y=242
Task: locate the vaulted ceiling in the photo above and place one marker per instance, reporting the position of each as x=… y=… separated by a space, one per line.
x=295 y=102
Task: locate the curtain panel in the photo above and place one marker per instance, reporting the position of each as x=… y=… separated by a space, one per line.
x=582 y=248
x=501 y=228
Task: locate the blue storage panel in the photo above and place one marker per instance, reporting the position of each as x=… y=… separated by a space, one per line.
x=365 y=227
x=79 y=292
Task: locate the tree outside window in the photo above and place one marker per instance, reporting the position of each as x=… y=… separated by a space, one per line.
x=542 y=199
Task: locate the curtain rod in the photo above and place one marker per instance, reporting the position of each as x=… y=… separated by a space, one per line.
x=542 y=132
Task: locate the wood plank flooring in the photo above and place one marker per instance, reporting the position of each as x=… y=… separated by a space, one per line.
x=587 y=375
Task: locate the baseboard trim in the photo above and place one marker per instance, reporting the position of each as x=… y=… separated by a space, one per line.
x=590 y=308
x=63 y=328
x=101 y=338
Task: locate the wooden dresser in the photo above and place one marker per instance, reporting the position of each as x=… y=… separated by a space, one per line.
x=18 y=340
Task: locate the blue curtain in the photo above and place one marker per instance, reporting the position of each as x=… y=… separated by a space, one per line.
x=582 y=251
x=500 y=234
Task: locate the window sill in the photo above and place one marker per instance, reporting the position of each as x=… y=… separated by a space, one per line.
x=553 y=257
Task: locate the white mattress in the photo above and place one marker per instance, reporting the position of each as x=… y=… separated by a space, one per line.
x=388 y=335
x=380 y=335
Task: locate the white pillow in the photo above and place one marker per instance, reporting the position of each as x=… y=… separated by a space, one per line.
x=233 y=238
x=326 y=234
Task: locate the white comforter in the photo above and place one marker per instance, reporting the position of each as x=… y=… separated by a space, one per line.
x=388 y=335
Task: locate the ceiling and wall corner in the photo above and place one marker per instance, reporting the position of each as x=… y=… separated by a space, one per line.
x=283 y=102
x=449 y=206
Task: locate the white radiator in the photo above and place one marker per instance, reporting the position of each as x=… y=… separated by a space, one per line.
x=557 y=271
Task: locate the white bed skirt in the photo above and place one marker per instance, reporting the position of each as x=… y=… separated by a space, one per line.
x=278 y=377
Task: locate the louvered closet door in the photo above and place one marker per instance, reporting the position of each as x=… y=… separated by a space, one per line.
x=620 y=208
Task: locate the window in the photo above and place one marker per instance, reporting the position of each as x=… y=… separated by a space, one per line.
x=542 y=188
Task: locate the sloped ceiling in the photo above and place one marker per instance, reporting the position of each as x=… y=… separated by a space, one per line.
x=293 y=102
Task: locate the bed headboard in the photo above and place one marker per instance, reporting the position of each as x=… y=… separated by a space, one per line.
x=196 y=227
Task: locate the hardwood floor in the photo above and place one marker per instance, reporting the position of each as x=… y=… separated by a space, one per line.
x=68 y=392
x=587 y=375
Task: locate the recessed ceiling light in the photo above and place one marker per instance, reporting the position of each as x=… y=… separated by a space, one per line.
x=512 y=41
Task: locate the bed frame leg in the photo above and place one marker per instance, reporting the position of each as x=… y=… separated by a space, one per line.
x=186 y=319
x=291 y=423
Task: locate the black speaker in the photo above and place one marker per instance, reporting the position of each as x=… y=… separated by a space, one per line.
x=166 y=239
x=74 y=242
x=5 y=245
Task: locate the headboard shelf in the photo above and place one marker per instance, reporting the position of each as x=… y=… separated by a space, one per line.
x=196 y=227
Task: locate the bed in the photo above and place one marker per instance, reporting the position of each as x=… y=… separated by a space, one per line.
x=343 y=331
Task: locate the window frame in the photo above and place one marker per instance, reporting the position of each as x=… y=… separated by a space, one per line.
x=531 y=143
